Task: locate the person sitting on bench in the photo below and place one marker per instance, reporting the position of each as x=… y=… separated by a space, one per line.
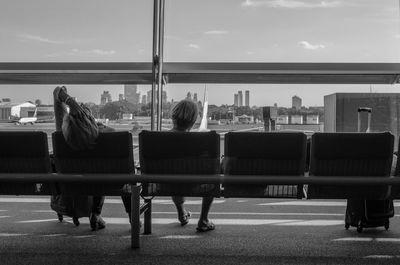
x=184 y=115
x=80 y=131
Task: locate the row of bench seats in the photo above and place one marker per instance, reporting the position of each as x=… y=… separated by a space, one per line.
x=270 y=154
x=246 y=153
x=172 y=157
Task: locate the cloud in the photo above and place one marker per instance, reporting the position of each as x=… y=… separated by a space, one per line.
x=308 y=46
x=101 y=52
x=396 y=36
x=216 y=32
x=194 y=46
x=77 y=52
x=291 y=4
x=37 y=38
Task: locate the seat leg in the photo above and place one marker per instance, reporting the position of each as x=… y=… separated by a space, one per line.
x=135 y=216
x=147 y=217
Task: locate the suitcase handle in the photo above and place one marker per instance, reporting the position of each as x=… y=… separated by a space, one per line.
x=364 y=109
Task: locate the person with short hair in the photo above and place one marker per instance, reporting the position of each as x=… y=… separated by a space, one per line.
x=184 y=115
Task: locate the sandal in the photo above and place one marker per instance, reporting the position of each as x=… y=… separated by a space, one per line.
x=184 y=219
x=204 y=227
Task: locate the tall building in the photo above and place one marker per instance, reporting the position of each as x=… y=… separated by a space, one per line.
x=195 y=97
x=144 y=99
x=247 y=98
x=105 y=98
x=296 y=102
x=149 y=97
x=164 y=96
x=131 y=94
x=236 y=100
x=240 y=98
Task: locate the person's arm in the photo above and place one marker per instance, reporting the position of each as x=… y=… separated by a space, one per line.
x=59 y=108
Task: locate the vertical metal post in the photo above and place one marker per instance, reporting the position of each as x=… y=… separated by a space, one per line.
x=135 y=216
x=160 y=62
x=155 y=60
x=147 y=217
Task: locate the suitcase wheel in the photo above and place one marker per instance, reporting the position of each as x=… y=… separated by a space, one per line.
x=359 y=227
x=387 y=225
x=76 y=221
x=60 y=217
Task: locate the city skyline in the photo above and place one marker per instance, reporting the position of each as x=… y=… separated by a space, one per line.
x=261 y=95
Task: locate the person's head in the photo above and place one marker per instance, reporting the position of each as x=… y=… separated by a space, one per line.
x=184 y=115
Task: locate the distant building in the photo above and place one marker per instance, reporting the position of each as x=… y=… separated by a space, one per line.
x=195 y=97
x=296 y=119
x=240 y=98
x=149 y=96
x=144 y=99
x=282 y=119
x=244 y=119
x=6 y=99
x=120 y=97
x=247 y=98
x=131 y=94
x=236 y=100
x=45 y=113
x=296 y=102
x=312 y=119
x=15 y=111
x=127 y=116
x=164 y=96
x=105 y=98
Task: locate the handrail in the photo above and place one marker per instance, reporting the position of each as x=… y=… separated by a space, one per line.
x=200 y=179
x=195 y=72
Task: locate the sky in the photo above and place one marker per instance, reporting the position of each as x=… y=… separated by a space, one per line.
x=201 y=31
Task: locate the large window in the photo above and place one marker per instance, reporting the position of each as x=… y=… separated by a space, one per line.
x=282 y=31
x=75 y=31
x=283 y=49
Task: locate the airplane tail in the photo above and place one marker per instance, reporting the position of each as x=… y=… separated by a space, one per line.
x=204 y=120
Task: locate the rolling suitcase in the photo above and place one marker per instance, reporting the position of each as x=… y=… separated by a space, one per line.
x=368 y=213
x=72 y=206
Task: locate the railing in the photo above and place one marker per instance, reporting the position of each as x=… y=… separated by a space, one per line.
x=220 y=73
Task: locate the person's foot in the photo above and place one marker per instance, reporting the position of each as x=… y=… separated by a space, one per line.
x=184 y=218
x=96 y=222
x=204 y=226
